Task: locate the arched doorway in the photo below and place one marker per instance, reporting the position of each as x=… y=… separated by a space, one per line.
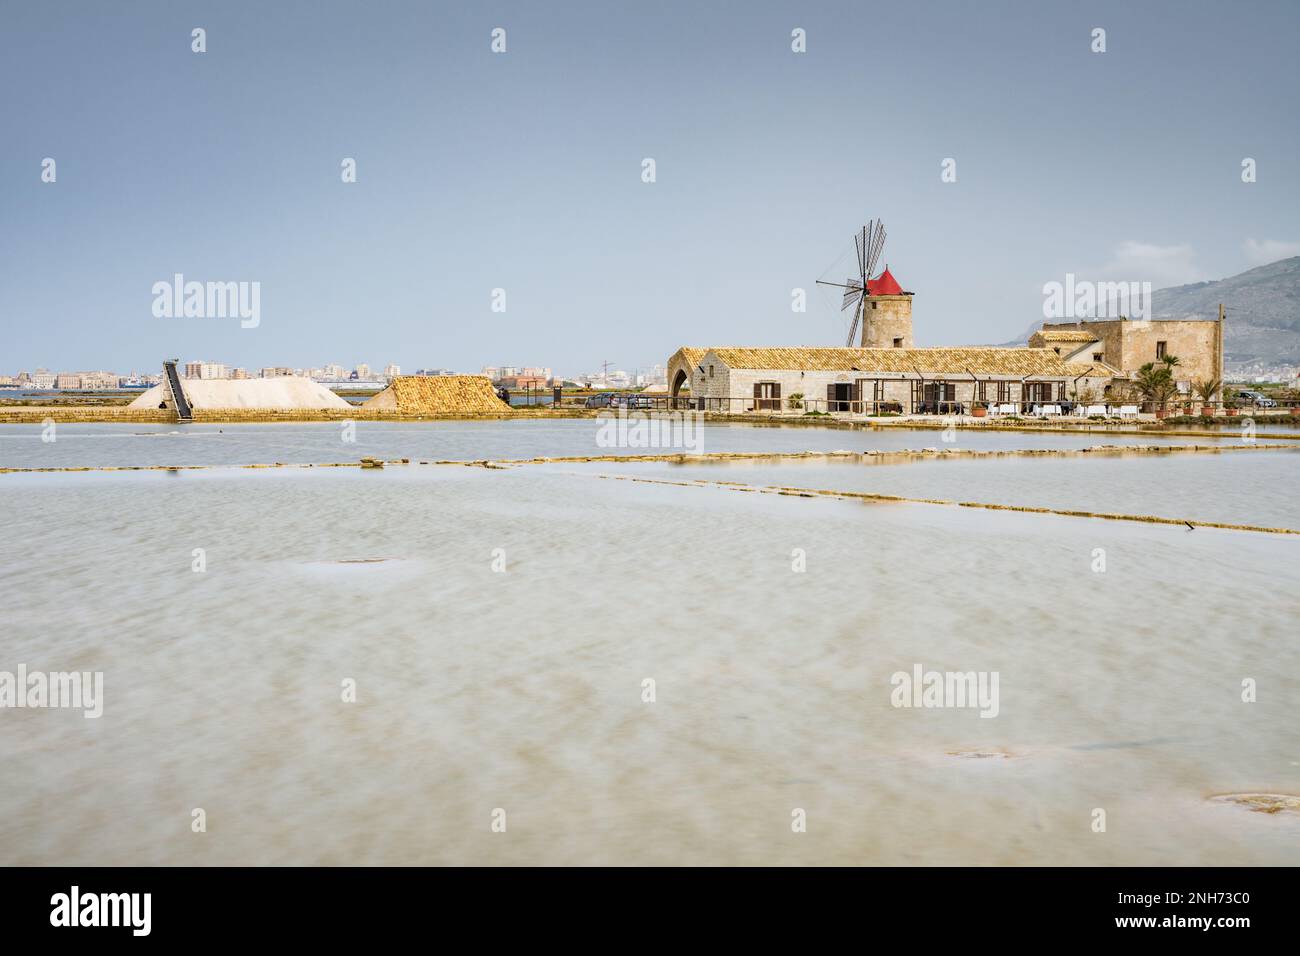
x=679 y=380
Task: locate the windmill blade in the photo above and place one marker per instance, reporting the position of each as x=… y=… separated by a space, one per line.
x=873 y=255
x=857 y=319
x=873 y=229
x=853 y=290
x=860 y=244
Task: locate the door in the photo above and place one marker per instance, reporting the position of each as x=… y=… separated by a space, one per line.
x=938 y=397
x=1040 y=392
x=767 y=396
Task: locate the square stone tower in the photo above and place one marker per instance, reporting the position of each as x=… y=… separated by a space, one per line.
x=887 y=314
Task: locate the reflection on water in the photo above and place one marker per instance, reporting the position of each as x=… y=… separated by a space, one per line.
x=95 y=444
x=521 y=689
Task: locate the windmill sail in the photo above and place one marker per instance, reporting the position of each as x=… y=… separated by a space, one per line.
x=852 y=292
x=868 y=243
x=877 y=245
x=857 y=319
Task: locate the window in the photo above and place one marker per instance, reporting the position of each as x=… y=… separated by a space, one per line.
x=1097 y=357
x=1161 y=350
x=875 y=305
x=898 y=343
x=710 y=371
x=767 y=395
x=1057 y=350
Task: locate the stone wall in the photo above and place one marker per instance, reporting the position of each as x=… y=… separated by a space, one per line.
x=679 y=364
x=1196 y=343
x=1128 y=344
x=885 y=318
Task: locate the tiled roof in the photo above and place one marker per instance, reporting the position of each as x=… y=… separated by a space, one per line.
x=690 y=355
x=1066 y=335
x=1094 y=369
x=1019 y=362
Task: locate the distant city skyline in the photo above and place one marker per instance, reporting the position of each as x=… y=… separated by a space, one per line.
x=517 y=180
x=44 y=377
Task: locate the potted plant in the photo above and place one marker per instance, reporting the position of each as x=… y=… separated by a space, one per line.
x=796 y=400
x=1205 y=391
x=979 y=409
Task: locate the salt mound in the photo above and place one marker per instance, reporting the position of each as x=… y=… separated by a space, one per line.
x=287 y=391
x=439 y=395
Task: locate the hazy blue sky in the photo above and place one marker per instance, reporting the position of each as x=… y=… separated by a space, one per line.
x=523 y=170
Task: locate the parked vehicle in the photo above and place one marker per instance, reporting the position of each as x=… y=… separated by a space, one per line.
x=1257 y=399
x=601 y=400
x=638 y=400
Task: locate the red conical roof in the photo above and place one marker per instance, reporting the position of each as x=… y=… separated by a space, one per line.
x=884 y=284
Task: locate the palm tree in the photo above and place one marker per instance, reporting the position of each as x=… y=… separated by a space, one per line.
x=1156 y=382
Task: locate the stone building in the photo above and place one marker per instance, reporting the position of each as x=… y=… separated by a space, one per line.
x=1088 y=361
x=1125 y=345
x=886 y=314
x=680 y=367
x=872 y=381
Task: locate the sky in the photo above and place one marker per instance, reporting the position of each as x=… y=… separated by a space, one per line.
x=523 y=171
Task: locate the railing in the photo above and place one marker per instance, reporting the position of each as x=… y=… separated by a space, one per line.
x=1054 y=408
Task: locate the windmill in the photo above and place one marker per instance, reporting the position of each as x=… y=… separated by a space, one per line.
x=869 y=242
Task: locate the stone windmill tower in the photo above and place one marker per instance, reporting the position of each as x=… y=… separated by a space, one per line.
x=884 y=312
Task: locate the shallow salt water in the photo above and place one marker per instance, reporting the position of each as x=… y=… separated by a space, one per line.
x=1238 y=487
x=522 y=689
x=78 y=445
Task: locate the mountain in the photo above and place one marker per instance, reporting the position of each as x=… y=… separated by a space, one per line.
x=1263 y=310
x=1263 y=307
